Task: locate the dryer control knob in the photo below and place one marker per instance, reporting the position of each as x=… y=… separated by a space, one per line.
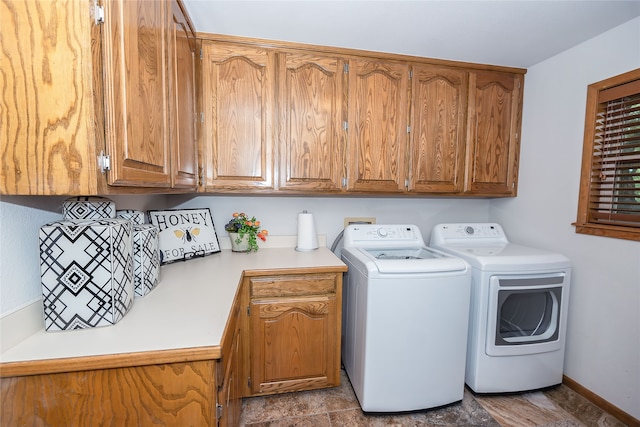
x=382 y=232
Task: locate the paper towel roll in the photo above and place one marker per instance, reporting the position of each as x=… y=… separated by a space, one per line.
x=307 y=236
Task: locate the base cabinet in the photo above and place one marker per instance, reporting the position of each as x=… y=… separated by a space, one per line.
x=294 y=332
x=282 y=333
x=175 y=394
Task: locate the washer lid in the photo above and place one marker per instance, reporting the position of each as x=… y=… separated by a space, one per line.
x=402 y=253
x=412 y=260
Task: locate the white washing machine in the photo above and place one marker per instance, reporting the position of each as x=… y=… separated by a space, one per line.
x=518 y=317
x=405 y=319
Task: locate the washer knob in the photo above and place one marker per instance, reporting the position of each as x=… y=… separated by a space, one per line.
x=469 y=229
x=383 y=232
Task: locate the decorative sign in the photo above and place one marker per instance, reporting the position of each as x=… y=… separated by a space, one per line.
x=185 y=234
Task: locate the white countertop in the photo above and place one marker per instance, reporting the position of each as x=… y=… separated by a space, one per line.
x=189 y=308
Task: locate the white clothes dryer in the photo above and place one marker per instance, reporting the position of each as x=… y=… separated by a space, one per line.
x=405 y=319
x=518 y=317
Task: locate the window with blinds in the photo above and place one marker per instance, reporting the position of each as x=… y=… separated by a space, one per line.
x=609 y=203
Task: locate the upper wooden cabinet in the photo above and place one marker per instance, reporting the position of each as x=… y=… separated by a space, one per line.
x=493 y=142
x=48 y=137
x=149 y=94
x=238 y=100
x=136 y=81
x=438 y=123
x=182 y=92
x=378 y=119
x=312 y=112
x=287 y=118
x=81 y=89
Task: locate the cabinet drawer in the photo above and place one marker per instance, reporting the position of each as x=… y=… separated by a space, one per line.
x=292 y=285
x=318 y=306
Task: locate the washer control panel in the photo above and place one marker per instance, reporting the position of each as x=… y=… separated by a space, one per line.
x=379 y=234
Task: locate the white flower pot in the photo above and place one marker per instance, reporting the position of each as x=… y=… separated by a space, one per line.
x=239 y=244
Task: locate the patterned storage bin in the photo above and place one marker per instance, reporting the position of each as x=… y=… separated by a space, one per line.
x=86 y=269
x=146 y=258
x=136 y=217
x=88 y=207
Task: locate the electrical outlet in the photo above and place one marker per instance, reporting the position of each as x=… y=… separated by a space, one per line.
x=359 y=220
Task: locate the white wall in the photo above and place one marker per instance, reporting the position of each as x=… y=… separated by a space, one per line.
x=603 y=338
x=21 y=218
x=20 y=221
x=279 y=214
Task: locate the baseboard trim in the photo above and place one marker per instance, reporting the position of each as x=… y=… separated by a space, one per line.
x=628 y=419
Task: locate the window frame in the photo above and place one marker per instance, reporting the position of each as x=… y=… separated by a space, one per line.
x=583 y=223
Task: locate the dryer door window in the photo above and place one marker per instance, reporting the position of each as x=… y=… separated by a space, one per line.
x=527 y=316
x=524 y=314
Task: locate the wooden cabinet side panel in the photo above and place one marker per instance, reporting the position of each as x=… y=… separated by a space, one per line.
x=184 y=156
x=172 y=394
x=230 y=390
x=182 y=85
x=517 y=100
x=239 y=101
x=230 y=375
x=46 y=108
x=378 y=120
x=311 y=112
x=439 y=101
x=136 y=67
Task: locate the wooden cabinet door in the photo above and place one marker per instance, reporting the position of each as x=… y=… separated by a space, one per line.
x=238 y=102
x=47 y=142
x=311 y=115
x=438 y=120
x=184 y=154
x=136 y=92
x=493 y=142
x=378 y=138
x=293 y=344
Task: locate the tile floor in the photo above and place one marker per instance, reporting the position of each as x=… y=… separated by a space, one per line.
x=556 y=407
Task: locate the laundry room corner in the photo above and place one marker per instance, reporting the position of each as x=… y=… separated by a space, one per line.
x=602 y=349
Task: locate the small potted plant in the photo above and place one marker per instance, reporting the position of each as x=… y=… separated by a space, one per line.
x=244 y=232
